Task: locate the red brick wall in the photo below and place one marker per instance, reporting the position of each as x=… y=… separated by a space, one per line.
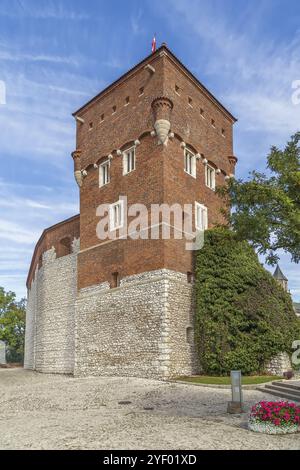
x=159 y=175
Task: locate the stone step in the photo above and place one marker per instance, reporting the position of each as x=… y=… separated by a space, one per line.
x=282 y=389
x=288 y=395
x=290 y=384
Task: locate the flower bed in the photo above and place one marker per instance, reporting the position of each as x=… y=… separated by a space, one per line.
x=275 y=417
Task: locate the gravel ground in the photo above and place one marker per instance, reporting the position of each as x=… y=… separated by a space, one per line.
x=58 y=412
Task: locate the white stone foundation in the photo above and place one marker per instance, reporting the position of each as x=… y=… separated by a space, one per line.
x=279 y=364
x=49 y=336
x=143 y=328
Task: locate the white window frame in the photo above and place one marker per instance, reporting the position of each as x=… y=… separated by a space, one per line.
x=113 y=223
x=210 y=177
x=125 y=160
x=101 y=175
x=201 y=224
x=190 y=166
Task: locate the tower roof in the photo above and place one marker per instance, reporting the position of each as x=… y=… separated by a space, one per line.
x=278 y=274
x=162 y=49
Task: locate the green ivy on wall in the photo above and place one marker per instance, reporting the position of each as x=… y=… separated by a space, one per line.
x=243 y=316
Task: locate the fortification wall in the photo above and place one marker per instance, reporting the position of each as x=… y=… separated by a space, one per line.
x=137 y=329
x=50 y=322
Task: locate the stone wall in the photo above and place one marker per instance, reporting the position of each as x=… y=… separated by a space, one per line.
x=49 y=338
x=279 y=364
x=137 y=329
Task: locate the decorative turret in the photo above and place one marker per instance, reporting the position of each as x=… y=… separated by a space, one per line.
x=280 y=278
x=232 y=162
x=162 y=108
x=77 y=169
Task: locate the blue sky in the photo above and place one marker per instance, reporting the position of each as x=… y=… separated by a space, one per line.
x=55 y=55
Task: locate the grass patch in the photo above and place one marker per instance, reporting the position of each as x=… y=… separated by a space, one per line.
x=246 y=380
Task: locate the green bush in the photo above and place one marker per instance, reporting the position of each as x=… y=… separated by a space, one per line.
x=243 y=317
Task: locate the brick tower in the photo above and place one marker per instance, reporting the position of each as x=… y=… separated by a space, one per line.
x=156 y=136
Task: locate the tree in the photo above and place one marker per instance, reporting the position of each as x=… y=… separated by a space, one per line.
x=266 y=209
x=243 y=316
x=12 y=324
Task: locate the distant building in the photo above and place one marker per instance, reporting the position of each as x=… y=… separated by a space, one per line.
x=283 y=281
x=280 y=278
x=2 y=352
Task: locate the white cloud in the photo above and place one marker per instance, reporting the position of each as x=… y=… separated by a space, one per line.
x=40 y=11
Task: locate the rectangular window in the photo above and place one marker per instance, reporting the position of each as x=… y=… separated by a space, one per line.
x=190 y=163
x=201 y=217
x=116 y=215
x=104 y=173
x=115 y=280
x=210 y=177
x=128 y=160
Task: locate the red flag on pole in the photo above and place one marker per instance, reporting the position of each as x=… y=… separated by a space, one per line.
x=153 y=44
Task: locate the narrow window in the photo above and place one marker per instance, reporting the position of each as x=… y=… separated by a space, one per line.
x=190 y=163
x=141 y=91
x=128 y=160
x=190 y=335
x=177 y=89
x=202 y=112
x=115 y=280
x=116 y=215
x=104 y=173
x=213 y=123
x=223 y=132
x=201 y=217
x=90 y=126
x=210 y=177
x=114 y=109
x=190 y=101
x=102 y=117
x=127 y=100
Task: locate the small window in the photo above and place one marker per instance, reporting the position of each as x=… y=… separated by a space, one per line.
x=190 y=163
x=213 y=123
x=128 y=160
x=116 y=215
x=177 y=89
x=127 y=99
x=114 y=109
x=90 y=126
x=210 y=177
x=141 y=91
x=190 y=335
x=201 y=218
x=223 y=132
x=115 y=280
x=190 y=101
x=102 y=117
x=104 y=173
x=202 y=112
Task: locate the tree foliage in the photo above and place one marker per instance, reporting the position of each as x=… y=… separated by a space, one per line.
x=266 y=208
x=243 y=317
x=12 y=324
